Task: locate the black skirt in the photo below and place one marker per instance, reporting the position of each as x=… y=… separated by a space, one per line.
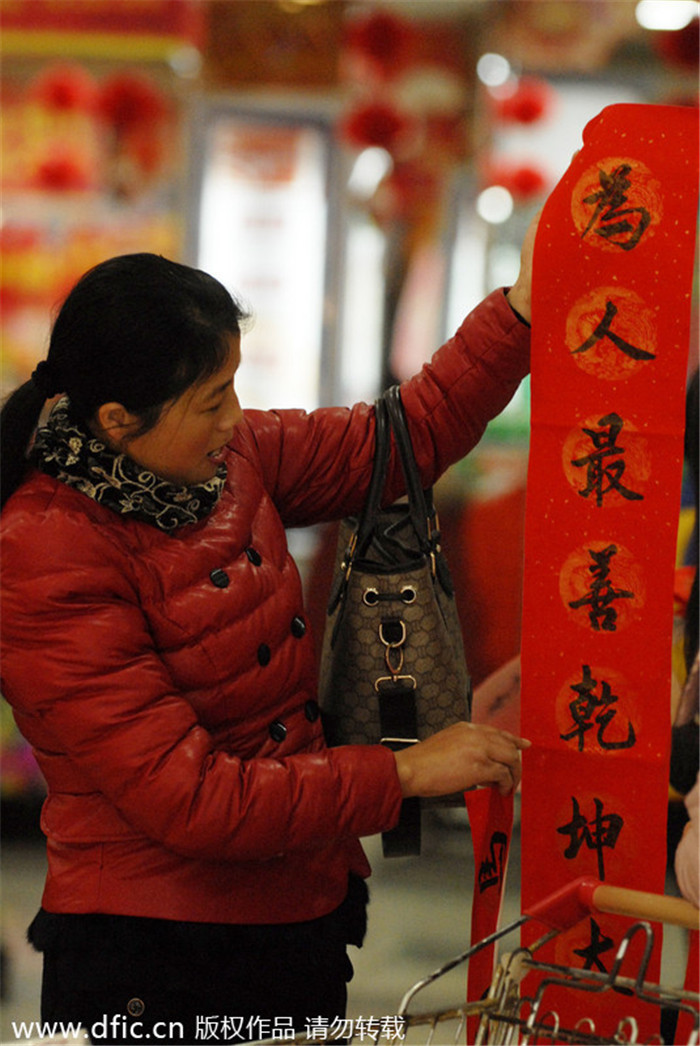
x=125 y=979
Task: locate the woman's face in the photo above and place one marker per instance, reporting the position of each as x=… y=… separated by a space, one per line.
x=185 y=445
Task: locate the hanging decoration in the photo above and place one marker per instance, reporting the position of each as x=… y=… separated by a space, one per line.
x=680 y=47
x=64 y=87
x=71 y=132
x=526 y=102
x=57 y=114
x=130 y=101
x=64 y=171
x=408 y=94
x=378 y=124
x=383 y=44
x=136 y=115
x=609 y=361
x=515 y=110
x=524 y=181
x=79 y=147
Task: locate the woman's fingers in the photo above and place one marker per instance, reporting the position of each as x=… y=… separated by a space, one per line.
x=460 y=757
x=520 y=294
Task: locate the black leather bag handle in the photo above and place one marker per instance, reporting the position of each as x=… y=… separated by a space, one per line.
x=420 y=501
x=390 y=415
x=370 y=512
x=423 y=515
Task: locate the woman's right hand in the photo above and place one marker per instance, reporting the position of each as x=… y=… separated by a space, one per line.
x=460 y=757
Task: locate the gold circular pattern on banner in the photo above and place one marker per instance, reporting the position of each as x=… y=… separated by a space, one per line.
x=608 y=467
x=608 y=329
x=616 y=204
x=606 y=585
x=612 y=708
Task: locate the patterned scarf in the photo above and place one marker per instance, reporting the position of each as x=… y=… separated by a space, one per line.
x=64 y=450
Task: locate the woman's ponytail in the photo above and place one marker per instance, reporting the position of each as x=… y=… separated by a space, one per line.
x=18 y=420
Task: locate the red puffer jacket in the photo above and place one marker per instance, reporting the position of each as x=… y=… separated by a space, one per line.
x=166 y=680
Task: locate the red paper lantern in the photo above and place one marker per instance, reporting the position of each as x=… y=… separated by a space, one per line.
x=530 y=101
x=64 y=87
x=66 y=173
x=680 y=47
x=375 y=124
x=383 y=38
x=523 y=181
x=128 y=100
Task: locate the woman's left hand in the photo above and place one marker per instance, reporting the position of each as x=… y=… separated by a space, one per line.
x=520 y=294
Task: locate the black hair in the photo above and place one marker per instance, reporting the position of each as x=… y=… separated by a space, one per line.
x=138 y=330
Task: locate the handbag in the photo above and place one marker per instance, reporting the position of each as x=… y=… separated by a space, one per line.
x=393 y=669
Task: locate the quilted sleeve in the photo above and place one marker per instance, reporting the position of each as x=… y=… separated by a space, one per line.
x=317 y=466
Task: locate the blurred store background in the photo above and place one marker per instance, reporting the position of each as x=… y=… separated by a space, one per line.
x=361 y=174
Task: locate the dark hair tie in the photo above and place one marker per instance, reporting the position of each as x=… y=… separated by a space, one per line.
x=45 y=380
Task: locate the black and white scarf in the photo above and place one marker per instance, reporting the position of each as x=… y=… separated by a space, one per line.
x=65 y=450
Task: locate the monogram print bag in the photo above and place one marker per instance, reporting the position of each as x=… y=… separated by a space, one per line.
x=392 y=667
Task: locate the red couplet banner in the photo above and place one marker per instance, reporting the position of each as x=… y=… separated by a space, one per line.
x=491 y=824
x=611 y=327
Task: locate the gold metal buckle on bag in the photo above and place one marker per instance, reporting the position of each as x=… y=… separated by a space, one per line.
x=407 y=682
x=392 y=644
x=393 y=649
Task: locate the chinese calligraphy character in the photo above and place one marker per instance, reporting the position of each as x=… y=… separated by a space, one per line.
x=614 y=218
x=600 y=471
x=597 y=833
x=592 y=952
x=602 y=330
x=602 y=614
x=584 y=707
x=491 y=868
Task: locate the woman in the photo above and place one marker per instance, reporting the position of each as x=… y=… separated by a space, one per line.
x=203 y=855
